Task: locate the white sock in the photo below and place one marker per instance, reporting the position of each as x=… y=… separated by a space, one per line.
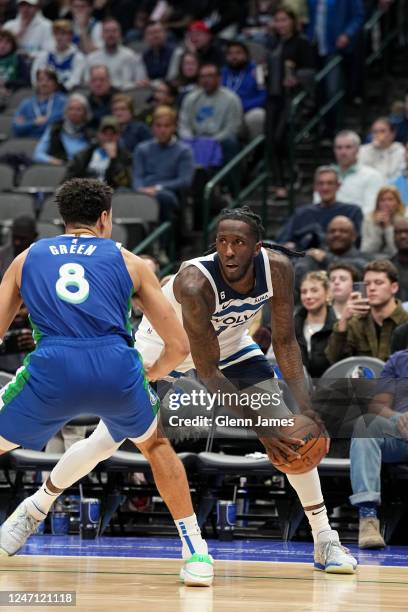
x=76 y=462
x=40 y=503
x=190 y=535
x=309 y=491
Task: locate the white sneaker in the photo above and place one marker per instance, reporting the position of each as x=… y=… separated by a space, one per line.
x=330 y=556
x=198 y=570
x=16 y=530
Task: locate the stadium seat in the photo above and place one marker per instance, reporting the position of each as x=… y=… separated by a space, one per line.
x=6 y=177
x=15 y=99
x=140 y=95
x=119 y=234
x=5 y=127
x=5 y=378
x=135 y=211
x=49 y=212
x=43 y=175
x=19 y=145
x=49 y=230
x=13 y=205
x=370 y=367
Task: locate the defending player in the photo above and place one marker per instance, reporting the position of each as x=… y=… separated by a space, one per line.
x=77 y=288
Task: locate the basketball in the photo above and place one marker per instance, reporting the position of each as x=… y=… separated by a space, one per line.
x=312 y=452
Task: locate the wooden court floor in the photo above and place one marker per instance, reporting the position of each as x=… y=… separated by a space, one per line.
x=151 y=585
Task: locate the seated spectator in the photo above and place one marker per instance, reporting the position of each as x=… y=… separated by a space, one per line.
x=367 y=324
x=87 y=30
x=14 y=71
x=159 y=51
x=340 y=246
x=200 y=41
x=291 y=63
x=239 y=76
x=383 y=153
x=57 y=9
x=65 y=60
x=187 y=78
x=307 y=224
x=163 y=167
x=63 y=139
x=401 y=182
x=32 y=30
x=125 y=66
x=100 y=94
x=342 y=275
x=105 y=159
x=140 y=21
x=314 y=322
x=400 y=259
x=36 y=113
x=401 y=128
x=359 y=184
x=132 y=132
x=377 y=235
x=212 y=112
x=379 y=437
x=17 y=342
x=23 y=234
x=164 y=94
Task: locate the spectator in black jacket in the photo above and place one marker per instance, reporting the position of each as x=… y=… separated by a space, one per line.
x=159 y=51
x=314 y=322
x=14 y=71
x=100 y=95
x=105 y=160
x=400 y=259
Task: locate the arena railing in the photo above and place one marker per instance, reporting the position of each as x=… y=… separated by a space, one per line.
x=227 y=171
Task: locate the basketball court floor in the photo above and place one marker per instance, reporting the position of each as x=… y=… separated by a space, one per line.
x=114 y=574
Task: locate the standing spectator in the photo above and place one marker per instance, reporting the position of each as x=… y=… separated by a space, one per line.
x=291 y=63
x=307 y=223
x=400 y=259
x=359 y=184
x=378 y=228
x=212 y=112
x=100 y=95
x=32 y=30
x=383 y=153
x=14 y=71
x=163 y=167
x=334 y=26
x=36 y=113
x=401 y=128
x=342 y=275
x=125 y=67
x=132 y=132
x=314 y=322
x=66 y=61
x=401 y=182
x=366 y=325
x=63 y=139
x=87 y=30
x=200 y=41
x=105 y=160
x=159 y=51
x=187 y=78
x=239 y=75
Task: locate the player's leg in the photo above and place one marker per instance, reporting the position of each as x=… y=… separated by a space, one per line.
x=80 y=459
x=330 y=555
x=171 y=481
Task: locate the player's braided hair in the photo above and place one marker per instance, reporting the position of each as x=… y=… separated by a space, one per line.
x=254 y=221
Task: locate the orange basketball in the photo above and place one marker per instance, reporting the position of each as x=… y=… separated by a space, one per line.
x=313 y=450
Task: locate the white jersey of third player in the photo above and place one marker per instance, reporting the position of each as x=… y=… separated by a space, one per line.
x=231 y=319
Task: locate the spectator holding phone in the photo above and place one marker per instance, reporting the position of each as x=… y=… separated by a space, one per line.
x=342 y=275
x=367 y=323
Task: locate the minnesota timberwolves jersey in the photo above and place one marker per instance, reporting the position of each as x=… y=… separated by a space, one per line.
x=77 y=287
x=231 y=319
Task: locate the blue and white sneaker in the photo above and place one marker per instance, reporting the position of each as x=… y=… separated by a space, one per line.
x=16 y=530
x=198 y=570
x=331 y=557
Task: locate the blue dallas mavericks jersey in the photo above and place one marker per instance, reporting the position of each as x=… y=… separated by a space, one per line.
x=77 y=287
x=232 y=316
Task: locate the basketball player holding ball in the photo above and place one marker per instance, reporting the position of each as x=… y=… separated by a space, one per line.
x=216 y=297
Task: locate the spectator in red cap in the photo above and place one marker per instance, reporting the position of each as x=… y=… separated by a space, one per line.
x=200 y=41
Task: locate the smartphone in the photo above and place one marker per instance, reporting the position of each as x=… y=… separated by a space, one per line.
x=361 y=289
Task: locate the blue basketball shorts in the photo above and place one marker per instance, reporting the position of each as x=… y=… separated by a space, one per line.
x=66 y=377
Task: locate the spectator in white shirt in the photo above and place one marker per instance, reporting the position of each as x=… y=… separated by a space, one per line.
x=126 y=67
x=383 y=153
x=65 y=60
x=32 y=30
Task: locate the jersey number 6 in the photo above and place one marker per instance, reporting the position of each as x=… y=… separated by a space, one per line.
x=72 y=275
